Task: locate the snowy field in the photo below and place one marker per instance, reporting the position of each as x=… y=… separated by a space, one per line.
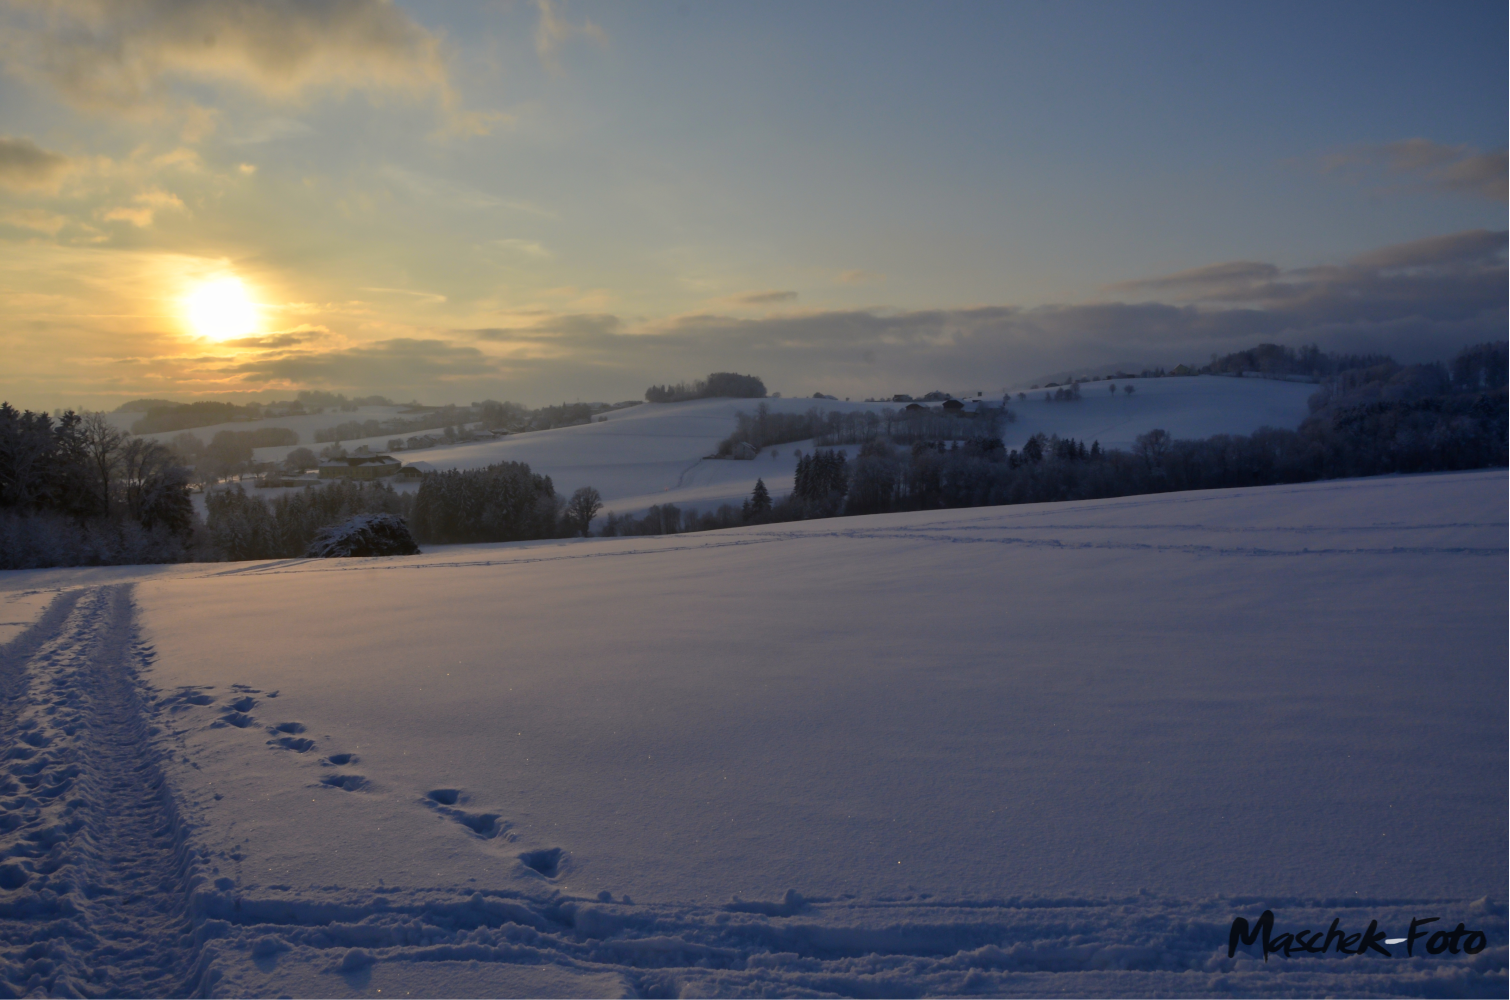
x=1038 y=750
x=653 y=453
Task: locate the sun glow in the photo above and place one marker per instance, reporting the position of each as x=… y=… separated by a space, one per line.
x=220 y=309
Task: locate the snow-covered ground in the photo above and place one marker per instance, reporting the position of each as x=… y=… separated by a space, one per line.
x=654 y=453
x=19 y=609
x=1050 y=749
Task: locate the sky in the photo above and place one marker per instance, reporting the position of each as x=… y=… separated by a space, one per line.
x=560 y=200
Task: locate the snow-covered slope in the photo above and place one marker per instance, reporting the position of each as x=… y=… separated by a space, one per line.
x=1049 y=749
x=653 y=453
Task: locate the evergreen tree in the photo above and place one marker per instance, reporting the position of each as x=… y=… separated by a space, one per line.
x=760 y=499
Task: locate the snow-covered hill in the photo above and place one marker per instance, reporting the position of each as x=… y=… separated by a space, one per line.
x=653 y=453
x=1050 y=749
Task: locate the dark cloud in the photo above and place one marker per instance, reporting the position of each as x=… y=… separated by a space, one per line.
x=388 y=364
x=1458 y=169
x=1420 y=300
x=272 y=341
x=578 y=327
x=1200 y=281
x=24 y=164
x=1474 y=247
x=764 y=298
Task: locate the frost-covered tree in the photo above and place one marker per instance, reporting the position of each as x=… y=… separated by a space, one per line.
x=821 y=481
x=79 y=491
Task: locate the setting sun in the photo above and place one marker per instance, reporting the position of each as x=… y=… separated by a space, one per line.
x=220 y=309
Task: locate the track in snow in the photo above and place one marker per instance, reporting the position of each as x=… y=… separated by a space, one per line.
x=93 y=886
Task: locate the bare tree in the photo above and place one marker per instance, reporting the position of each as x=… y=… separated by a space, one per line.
x=102 y=446
x=1153 y=446
x=582 y=508
x=154 y=486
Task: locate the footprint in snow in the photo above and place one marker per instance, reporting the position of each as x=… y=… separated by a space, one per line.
x=340 y=759
x=297 y=744
x=186 y=696
x=243 y=704
x=238 y=719
x=345 y=782
x=488 y=826
x=289 y=727
x=546 y=861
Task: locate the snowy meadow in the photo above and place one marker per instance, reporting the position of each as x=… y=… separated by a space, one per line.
x=1050 y=749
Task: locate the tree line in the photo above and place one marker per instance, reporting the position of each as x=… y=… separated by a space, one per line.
x=718 y=384
x=76 y=490
x=505 y=502
x=764 y=428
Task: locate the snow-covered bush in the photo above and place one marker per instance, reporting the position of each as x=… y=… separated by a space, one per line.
x=364 y=535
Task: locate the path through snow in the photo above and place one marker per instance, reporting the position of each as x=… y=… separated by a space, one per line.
x=95 y=870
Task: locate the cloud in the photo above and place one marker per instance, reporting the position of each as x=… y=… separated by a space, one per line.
x=527 y=247
x=26 y=166
x=1476 y=247
x=1202 y=281
x=1420 y=300
x=600 y=330
x=1457 y=169
x=269 y=130
x=398 y=363
x=275 y=341
x=1427 y=275
x=553 y=31
x=432 y=297
x=123 y=56
x=144 y=208
x=860 y=277
x=763 y=298
x=34 y=219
